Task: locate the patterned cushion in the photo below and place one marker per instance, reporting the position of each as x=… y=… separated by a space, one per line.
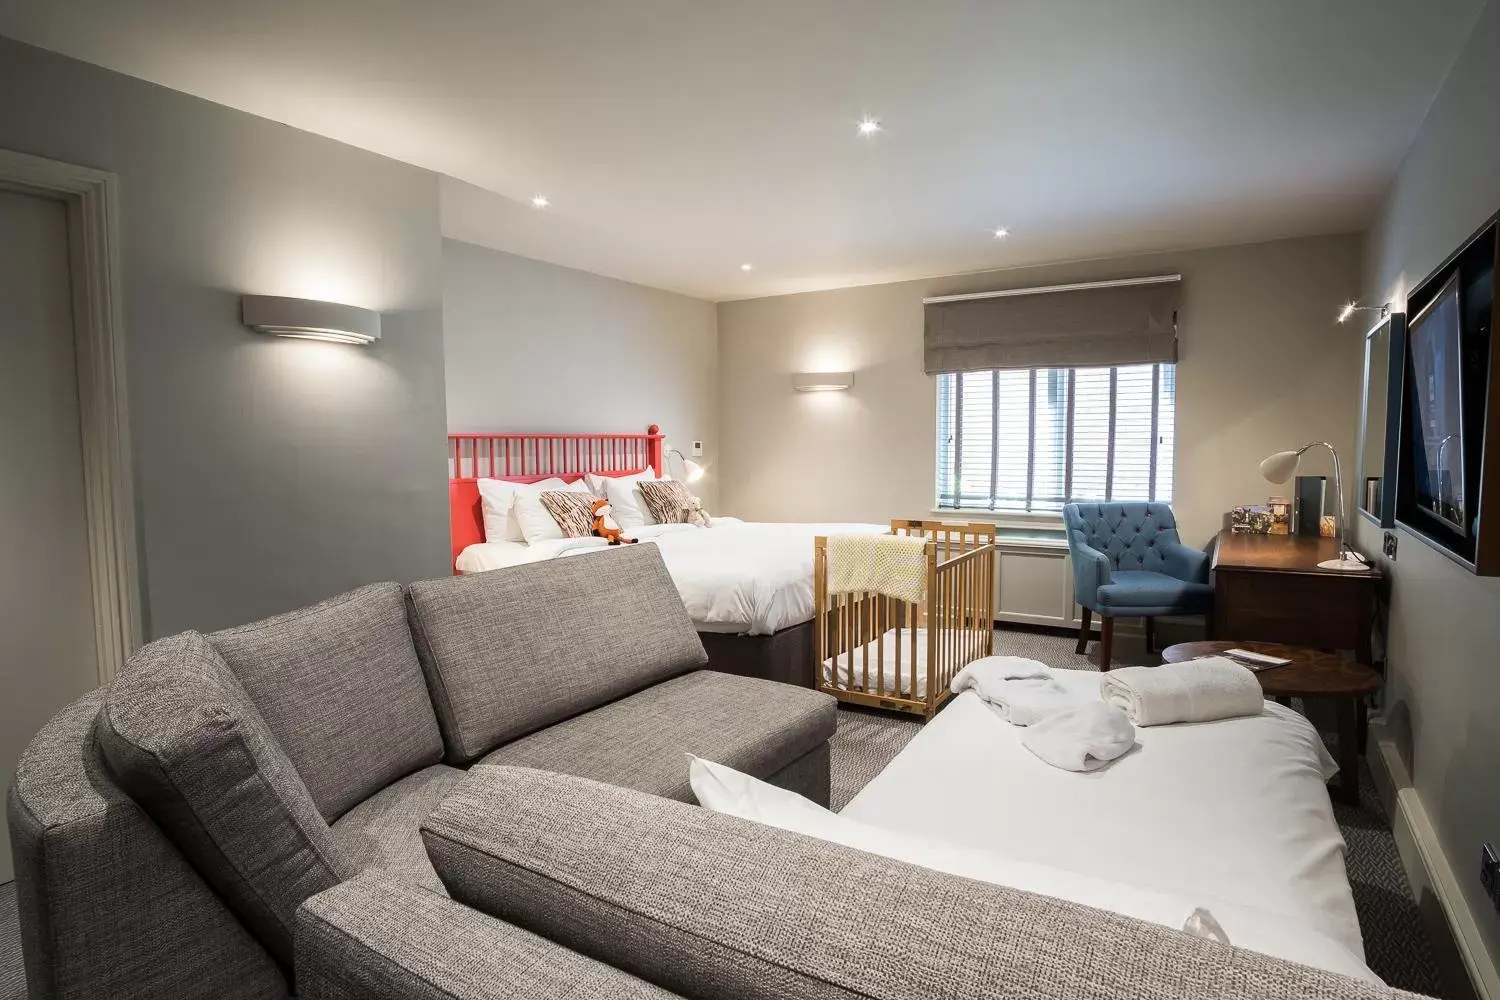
x=573 y=512
x=183 y=738
x=340 y=686
x=667 y=500
x=509 y=652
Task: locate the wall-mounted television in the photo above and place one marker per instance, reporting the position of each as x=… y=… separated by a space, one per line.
x=1447 y=415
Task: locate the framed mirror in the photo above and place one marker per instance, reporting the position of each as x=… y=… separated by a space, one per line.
x=1380 y=420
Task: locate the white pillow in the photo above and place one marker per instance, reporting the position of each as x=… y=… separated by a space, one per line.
x=629 y=507
x=536 y=522
x=597 y=482
x=726 y=790
x=497 y=497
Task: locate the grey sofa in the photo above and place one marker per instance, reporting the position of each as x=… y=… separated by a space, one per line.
x=166 y=829
x=475 y=790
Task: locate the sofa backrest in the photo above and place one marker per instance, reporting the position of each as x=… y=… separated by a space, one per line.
x=108 y=906
x=339 y=686
x=511 y=651
x=182 y=737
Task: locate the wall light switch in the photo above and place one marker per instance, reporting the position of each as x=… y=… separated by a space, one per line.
x=697 y=449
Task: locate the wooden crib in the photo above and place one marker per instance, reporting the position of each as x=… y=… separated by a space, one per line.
x=881 y=652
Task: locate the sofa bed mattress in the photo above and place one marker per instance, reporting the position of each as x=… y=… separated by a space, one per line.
x=1232 y=813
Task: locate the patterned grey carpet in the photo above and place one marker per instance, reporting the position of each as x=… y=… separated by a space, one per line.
x=1396 y=945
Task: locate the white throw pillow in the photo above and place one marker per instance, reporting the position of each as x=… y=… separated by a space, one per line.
x=630 y=509
x=725 y=790
x=497 y=498
x=535 y=520
x=597 y=482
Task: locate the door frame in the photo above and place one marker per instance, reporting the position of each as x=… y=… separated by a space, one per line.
x=92 y=198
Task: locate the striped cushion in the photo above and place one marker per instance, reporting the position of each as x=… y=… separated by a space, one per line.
x=573 y=512
x=666 y=499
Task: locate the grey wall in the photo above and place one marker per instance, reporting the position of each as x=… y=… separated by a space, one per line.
x=1443 y=688
x=1262 y=367
x=270 y=473
x=536 y=347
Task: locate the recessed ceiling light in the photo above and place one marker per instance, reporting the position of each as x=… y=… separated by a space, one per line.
x=1001 y=233
x=747 y=267
x=869 y=126
x=540 y=201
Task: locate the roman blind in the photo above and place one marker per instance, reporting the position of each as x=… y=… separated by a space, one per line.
x=1063 y=326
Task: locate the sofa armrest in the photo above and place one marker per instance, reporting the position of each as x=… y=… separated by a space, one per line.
x=1185 y=562
x=715 y=907
x=378 y=938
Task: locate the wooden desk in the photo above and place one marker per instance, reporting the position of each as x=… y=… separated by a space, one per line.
x=1269 y=588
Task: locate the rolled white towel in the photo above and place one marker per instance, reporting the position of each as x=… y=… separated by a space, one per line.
x=1083 y=738
x=1192 y=691
x=1020 y=691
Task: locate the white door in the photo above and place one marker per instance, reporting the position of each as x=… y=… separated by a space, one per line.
x=47 y=649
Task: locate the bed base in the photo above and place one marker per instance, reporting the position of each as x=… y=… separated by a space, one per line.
x=785 y=656
x=958 y=614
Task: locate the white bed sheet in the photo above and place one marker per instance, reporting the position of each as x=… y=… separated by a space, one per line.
x=882 y=660
x=1228 y=812
x=742 y=577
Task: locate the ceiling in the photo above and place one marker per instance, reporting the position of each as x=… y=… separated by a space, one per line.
x=680 y=139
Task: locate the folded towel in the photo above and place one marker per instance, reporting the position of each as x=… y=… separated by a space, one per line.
x=893 y=565
x=1083 y=738
x=1019 y=690
x=1192 y=691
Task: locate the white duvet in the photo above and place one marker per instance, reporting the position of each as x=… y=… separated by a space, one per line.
x=1232 y=814
x=738 y=576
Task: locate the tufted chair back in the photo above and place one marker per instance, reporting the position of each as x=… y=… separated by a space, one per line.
x=1131 y=535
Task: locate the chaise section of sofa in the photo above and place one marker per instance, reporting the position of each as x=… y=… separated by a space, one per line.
x=714 y=907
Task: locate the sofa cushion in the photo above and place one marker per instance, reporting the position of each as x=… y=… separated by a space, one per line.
x=641 y=742
x=383 y=833
x=713 y=906
x=340 y=687
x=511 y=651
x=1157 y=592
x=183 y=738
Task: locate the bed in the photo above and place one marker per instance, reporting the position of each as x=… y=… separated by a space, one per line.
x=1233 y=814
x=746 y=585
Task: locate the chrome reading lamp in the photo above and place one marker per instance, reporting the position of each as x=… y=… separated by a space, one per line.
x=1281 y=466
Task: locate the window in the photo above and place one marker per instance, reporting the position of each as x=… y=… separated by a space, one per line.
x=1031 y=439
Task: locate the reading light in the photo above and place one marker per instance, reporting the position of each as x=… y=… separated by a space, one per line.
x=681 y=467
x=1350 y=309
x=869 y=126
x=822 y=381
x=1001 y=233
x=540 y=201
x=1278 y=468
x=309 y=319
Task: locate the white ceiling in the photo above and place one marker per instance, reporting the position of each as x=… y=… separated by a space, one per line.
x=678 y=139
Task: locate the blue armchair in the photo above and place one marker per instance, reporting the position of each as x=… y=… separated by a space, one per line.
x=1128 y=562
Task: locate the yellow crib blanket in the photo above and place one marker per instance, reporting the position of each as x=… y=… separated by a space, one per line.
x=893 y=565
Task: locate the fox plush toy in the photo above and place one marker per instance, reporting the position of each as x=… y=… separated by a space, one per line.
x=605 y=526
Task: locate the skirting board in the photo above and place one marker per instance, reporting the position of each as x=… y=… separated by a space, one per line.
x=1426 y=865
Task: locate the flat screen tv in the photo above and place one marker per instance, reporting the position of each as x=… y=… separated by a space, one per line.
x=1435 y=418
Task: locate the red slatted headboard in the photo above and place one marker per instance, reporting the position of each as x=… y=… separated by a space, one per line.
x=529 y=458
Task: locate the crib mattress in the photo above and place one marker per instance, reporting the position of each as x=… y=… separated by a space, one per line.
x=882 y=662
x=1234 y=811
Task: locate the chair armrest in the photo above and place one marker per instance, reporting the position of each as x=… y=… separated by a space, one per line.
x=380 y=938
x=1185 y=562
x=1091 y=571
x=719 y=908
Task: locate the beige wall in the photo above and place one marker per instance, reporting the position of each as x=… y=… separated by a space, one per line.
x=532 y=346
x=1443 y=692
x=1262 y=367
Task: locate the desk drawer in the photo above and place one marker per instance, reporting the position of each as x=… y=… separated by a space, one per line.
x=1325 y=612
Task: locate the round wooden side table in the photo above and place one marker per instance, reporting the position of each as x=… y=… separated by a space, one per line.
x=1312 y=674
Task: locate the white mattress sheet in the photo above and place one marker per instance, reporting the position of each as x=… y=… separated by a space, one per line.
x=742 y=577
x=1234 y=811
x=883 y=661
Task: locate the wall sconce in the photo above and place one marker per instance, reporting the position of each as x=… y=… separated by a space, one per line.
x=822 y=381
x=309 y=319
x=1349 y=309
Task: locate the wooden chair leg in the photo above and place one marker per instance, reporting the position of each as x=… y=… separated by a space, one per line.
x=1150 y=635
x=1083 y=632
x=1106 y=641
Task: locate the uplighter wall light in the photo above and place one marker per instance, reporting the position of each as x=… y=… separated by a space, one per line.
x=309 y=319
x=822 y=381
